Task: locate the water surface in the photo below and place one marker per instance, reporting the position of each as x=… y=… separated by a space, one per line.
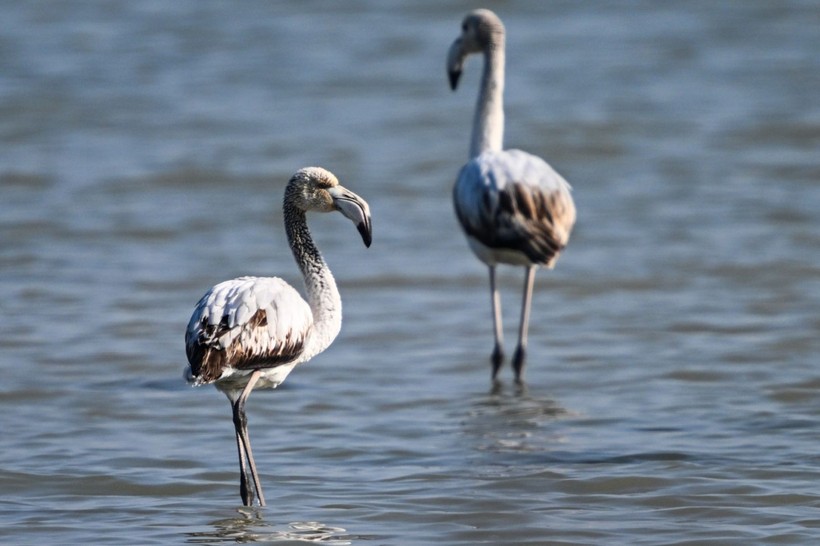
x=671 y=388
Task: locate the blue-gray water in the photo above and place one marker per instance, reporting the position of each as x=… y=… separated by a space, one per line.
x=672 y=393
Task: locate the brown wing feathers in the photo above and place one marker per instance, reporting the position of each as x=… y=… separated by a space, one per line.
x=252 y=348
x=521 y=220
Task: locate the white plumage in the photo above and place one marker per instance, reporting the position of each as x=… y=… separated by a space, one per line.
x=250 y=332
x=513 y=207
x=223 y=321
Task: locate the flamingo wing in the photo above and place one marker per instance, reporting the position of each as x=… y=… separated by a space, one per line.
x=243 y=324
x=512 y=202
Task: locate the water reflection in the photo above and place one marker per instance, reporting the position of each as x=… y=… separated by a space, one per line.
x=509 y=419
x=250 y=526
x=498 y=387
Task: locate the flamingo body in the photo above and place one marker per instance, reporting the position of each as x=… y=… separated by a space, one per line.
x=514 y=208
x=245 y=324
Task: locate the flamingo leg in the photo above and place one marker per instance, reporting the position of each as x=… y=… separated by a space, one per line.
x=521 y=350
x=240 y=421
x=245 y=490
x=497 y=357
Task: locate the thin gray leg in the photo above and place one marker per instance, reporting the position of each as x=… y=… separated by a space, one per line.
x=245 y=489
x=244 y=441
x=497 y=358
x=521 y=351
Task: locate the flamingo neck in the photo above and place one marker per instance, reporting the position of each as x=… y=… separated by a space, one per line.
x=488 y=123
x=320 y=286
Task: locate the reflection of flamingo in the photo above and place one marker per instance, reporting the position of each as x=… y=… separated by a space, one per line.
x=252 y=331
x=514 y=208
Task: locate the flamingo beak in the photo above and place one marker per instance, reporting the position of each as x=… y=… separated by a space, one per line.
x=455 y=62
x=355 y=209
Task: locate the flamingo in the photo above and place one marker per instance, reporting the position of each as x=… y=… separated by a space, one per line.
x=250 y=332
x=513 y=207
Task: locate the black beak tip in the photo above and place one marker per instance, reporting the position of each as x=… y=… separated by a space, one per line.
x=454 y=76
x=364 y=231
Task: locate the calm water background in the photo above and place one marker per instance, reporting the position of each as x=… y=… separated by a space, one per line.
x=672 y=393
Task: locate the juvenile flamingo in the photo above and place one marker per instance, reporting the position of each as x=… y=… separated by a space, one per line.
x=250 y=332
x=513 y=207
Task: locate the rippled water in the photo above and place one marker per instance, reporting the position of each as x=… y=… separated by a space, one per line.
x=672 y=386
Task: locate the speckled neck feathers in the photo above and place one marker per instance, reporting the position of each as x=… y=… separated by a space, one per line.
x=322 y=293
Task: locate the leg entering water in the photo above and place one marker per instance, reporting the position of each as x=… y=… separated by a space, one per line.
x=520 y=355
x=497 y=357
x=245 y=488
x=244 y=445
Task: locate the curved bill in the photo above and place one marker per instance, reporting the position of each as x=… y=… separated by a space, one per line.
x=354 y=208
x=455 y=62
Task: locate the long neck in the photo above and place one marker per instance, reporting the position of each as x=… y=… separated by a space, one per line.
x=488 y=123
x=322 y=294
